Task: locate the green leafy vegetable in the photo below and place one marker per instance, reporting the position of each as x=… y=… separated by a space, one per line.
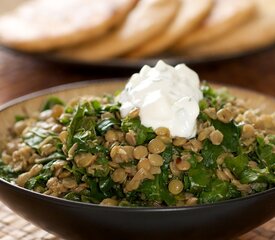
x=6 y=172
x=143 y=134
x=231 y=135
x=19 y=118
x=218 y=191
x=257 y=175
x=105 y=124
x=266 y=153
x=51 y=102
x=199 y=178
x=237 y=164
x=156 y=190
x=41 y=179
x=210 y=153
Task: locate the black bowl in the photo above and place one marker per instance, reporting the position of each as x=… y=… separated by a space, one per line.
x=74 y=220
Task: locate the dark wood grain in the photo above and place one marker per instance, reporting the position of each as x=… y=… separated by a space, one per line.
x=20 y=74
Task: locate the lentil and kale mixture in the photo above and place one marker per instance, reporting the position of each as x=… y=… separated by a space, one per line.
x=84 y=151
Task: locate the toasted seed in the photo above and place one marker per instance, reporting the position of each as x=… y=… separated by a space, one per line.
x=225 y=115
x=222 y=176
x=136 y=180
x=131 y=170
x=63 y=136
x=129 y=150
x=69 y=182
x=155 y=170
x=182 y=164
x=248 y=131
x=228 y=173
x=130 y=138
x=118 y=154
x=48 y=139
x=179 y=141
x=24 y=177
x=164 y=139
x=132 y=185
x=134 y=113
x=140 y=152
x=47 y=149
x=265 y=121
x=250 y=116
x=156 y=146
x=196 y=145
x=211 y=112
x=175 y=186
x=144 y=163
x=119 y=175
x=58 y=164
x=162 y=131
x=81 y=187
x=175 y=171
x=84 y=159
x=204 y=134
x=109 y=202
x=111 y=136
x=107 y=115
x=155 y=160
x=57 y=110
x=19 y=127
x=192 y=201
x=72 y=150
x=63 y=174
x=242 y=187
x=113 y=164
x=216 y=137
x=6 y=158
x=57 y=128
x=142 y=174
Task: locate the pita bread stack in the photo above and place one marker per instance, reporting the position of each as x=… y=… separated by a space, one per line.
x=191 y=13
x=92 y=30
x=147 y=20
x=256 y=33
x=225 y=15
x=42 y=25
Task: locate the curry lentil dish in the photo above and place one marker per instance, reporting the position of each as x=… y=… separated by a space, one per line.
x=84 y=151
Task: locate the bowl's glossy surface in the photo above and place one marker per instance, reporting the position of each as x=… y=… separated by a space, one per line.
x=73 y=220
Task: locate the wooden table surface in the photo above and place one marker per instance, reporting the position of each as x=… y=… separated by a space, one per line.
x=20 y=75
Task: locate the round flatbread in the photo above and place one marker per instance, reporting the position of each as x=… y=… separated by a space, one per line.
x=145 y=21
x=225 y=16
x=190 y=14
x=257 y=33
x=41 y=25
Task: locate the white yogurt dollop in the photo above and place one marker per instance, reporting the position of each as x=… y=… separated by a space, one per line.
x=166 y=97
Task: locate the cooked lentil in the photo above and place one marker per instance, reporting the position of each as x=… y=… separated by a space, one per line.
x=85 y=151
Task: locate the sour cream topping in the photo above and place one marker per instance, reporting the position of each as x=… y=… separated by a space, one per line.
x=166 y=97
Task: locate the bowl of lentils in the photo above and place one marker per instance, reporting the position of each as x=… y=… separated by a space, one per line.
x=77 y=168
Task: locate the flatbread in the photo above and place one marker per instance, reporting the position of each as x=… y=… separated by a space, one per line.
x=41 y=25
x=257 y=33
x=225 y=16
x=190 y=14
x=145 y=21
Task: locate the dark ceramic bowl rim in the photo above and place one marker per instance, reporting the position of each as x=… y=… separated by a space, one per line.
x=76 y=204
